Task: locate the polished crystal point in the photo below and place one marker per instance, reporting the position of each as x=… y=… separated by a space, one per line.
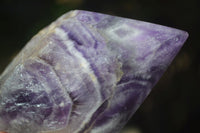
x=85 y=73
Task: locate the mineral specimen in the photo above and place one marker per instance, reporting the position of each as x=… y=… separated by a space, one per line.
x=85 y=73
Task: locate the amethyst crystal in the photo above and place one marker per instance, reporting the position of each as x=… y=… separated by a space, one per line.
x=85 y=73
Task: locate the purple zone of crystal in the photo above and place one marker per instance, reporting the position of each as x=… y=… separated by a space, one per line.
x=29 y=101
x=122 y=104
x=25 y=103
x=62 y=102
x=92 y=71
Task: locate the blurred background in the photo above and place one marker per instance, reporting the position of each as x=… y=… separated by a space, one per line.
x=174 y=104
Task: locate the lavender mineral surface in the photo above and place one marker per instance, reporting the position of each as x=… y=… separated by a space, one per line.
x=85 y=73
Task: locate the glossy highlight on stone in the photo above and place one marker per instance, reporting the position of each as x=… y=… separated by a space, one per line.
x=85 y=73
